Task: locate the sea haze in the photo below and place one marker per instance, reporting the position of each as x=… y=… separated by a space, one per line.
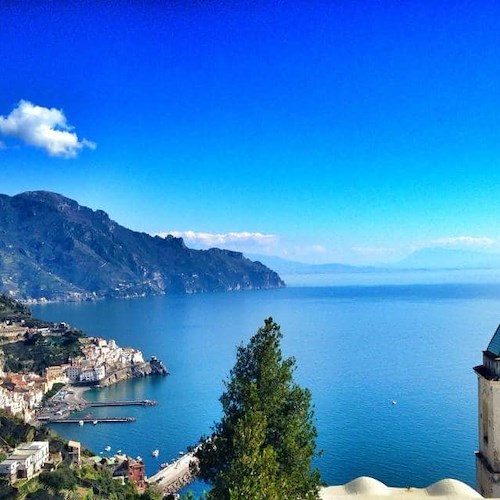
x=358 y=348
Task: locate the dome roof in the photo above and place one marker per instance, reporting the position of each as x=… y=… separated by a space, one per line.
x=366 y=486
x=451 y=487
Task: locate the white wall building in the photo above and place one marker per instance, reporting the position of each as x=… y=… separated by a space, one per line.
x=8 y=469
x=93 y=375
x=26 y=460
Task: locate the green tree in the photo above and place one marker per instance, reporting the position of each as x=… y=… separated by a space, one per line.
x=265 y=441
x=61 y=479
x=42 y=494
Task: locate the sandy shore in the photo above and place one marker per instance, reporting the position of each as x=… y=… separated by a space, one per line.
x=75 y=397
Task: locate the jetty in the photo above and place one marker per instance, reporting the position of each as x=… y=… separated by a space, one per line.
x=176 y=475
x=86 y=420
x=142 y=402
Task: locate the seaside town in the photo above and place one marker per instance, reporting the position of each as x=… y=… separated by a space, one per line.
x=52 y=395
x=101 y=363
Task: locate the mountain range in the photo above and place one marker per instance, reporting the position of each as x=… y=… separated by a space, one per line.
x=52 y=248
x=284 y=266
x=434 y=258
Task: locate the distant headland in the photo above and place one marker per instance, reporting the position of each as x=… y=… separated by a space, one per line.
x=53 y=249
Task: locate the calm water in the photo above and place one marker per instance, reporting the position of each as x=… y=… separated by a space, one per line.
x=357 y=348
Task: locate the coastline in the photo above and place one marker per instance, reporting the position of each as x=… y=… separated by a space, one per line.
x=70 y=398
x=75 y=397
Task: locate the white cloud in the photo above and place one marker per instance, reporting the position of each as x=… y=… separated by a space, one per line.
x=244 y=241
x=45 y=128
x=462 y=240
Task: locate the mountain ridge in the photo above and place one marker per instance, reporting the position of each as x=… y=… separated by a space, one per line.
x=429 y=258
x=52 y=248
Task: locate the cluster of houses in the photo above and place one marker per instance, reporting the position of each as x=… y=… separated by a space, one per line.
x=28 y=459
x=100 y=357
x=22 y=394
x=124 y=468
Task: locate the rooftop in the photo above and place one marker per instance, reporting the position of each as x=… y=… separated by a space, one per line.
x=367 y=488
x=494 y=345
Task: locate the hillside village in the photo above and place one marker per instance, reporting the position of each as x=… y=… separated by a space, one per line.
x=98 y=363
x=39 y=464
x=40 y=361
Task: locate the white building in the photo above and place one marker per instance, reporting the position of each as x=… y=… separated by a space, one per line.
x=26 y=460
x=73 y=373
x=39 y=450
x=8 y=469
x=93 y=375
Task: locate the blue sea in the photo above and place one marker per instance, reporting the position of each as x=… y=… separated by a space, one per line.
x=357 y=347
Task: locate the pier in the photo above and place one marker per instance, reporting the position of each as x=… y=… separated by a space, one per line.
x=86 y=420
x=143 y=402
x=176 y=475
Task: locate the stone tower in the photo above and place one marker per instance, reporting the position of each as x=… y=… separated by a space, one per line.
x=488 y=456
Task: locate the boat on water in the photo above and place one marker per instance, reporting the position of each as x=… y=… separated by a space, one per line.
x=95 y=422
x=164 y=465
x=107 y=448
x=155 y=453
x=394 y=402
x=80 y=422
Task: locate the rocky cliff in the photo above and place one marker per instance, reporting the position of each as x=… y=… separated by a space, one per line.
x=153 y=367
x=53 y=248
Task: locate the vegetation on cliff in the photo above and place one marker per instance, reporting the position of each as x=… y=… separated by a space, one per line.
x=37 y=352
x=13 y=310
x=264 y=444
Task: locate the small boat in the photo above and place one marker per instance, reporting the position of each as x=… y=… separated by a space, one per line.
x=164 y=465
x=119 y=452
x=107 y=448
x=138 y=458
x=80 y=422
x=95 y=422
x=181 y=453
x=394 y=402
x=155 y=453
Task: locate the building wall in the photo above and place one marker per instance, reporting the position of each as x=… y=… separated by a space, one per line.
x=136 y=475
x=487 y=481
x=489 y=422
x=28 y=459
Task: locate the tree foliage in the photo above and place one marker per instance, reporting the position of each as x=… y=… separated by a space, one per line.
x=61 y=479
x=265 y=441
x=12 y=309
x=14 y=431
x=37 y=352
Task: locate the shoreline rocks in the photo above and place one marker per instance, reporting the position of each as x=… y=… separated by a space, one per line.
x=146 y=369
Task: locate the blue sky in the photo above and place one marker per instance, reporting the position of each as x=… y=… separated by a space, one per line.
x=321 y=131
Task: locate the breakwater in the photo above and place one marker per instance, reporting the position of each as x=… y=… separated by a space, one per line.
x=142 y=402
x=81 y=421
x=176 y=475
